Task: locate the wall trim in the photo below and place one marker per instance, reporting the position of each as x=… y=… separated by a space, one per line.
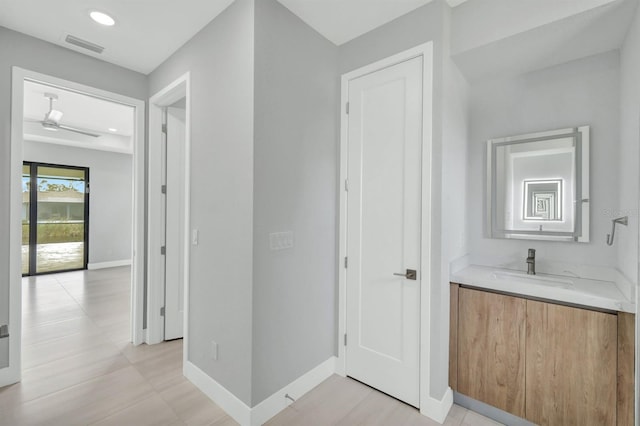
x=268 y=408
x=105 y=265
x=274 y=404
x=230 y=403
x=437 y=409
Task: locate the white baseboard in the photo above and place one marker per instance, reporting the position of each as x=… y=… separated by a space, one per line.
x=438 y=409
x=271 y=406
x=268 y=408
x=235 y=408
x=113 y=264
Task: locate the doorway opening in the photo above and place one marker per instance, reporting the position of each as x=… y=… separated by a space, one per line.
x=66 y=126
x=55 y=218
x=169 y=233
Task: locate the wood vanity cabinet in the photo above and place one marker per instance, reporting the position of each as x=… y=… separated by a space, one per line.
x=548 y=363
x=491 y=349
x=571 y=365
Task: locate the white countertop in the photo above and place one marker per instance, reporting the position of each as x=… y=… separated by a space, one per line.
x=577 y=291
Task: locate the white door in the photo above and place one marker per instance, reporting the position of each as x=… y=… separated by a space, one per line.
x=174 y=258
x=383 y=229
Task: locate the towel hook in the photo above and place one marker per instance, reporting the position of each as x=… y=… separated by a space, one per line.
x=622 y=221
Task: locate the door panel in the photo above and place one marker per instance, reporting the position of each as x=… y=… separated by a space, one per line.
x=57 y=198
x=174 y=279
x=571 y=365
x=383 y=229
x=491 y=349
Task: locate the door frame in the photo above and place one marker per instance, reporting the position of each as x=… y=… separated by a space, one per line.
x=426 y=52
x=34 y=208
x=176 y=90
x=12 y=373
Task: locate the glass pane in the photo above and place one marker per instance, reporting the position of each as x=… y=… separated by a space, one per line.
x=60 y=232
x=26 y=184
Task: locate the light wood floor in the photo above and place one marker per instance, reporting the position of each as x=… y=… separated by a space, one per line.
x=79 y=369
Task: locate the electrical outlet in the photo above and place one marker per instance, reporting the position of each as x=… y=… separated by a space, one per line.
x=214 y=350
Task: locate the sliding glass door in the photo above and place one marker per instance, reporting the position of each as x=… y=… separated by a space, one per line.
x=55 y=218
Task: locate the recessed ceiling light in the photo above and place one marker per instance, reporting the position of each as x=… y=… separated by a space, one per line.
x=111 y=129
x=102 y=18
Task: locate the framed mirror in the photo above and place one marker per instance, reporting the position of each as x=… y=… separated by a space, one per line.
x=538 y=186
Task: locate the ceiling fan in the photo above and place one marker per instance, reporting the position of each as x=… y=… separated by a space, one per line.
x=52 y=119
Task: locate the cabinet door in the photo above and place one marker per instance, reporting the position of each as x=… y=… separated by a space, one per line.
x=571 y=366
x=491 y=352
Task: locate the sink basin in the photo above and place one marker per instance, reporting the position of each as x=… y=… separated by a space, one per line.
x=548 y=280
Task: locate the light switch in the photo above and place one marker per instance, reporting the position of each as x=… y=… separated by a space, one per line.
x=194 y=237
x=281 y=240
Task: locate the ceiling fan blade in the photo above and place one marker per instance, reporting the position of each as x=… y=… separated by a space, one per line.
x=73 y=129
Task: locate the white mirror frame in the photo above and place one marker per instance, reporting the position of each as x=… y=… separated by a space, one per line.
x=581 y=227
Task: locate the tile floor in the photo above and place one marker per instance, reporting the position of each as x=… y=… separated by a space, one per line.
x=80 y=369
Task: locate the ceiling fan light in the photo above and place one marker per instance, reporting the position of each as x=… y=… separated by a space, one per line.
x=102 y=18
x=53 y=115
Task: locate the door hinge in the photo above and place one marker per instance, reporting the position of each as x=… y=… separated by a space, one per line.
x=164 y=129
x=4 y=331
x=345 y=339
x=162 y=311
x=163 y=250
x=88 y=188
x=346 y=108
x=346 y=262
x=346 y=185
x=163 y=189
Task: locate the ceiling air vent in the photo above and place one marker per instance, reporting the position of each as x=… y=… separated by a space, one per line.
x=84 y=44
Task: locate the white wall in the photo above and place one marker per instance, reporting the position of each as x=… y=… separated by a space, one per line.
x=454 y=244
x=629 y=156
x=36 y=55
x=295 y=189
x=582 y=92
x=220 y=59
x=110 y=197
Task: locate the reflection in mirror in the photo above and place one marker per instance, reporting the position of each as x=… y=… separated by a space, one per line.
x=538 y=186
x=543 y=199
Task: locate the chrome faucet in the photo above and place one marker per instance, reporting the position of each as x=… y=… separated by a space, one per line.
x=531 y=262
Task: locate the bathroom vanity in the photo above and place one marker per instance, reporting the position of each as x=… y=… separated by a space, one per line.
x=553 y=350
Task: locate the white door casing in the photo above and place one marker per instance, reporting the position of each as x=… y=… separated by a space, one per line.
x=172 y=93
x=174 y=232
x=383 y=226
x=12 y=373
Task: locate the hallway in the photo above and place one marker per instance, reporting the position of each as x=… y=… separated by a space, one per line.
x=79 y=368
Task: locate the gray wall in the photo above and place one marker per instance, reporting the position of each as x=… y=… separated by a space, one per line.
x=627 y=239
x=582 y=92
x=36 y=55
x=221 y=61
x=295 y=189
x=110 y=199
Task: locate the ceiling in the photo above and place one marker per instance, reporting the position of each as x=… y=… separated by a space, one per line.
x=79 y=111
x=147 y=32
x=344 y=20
